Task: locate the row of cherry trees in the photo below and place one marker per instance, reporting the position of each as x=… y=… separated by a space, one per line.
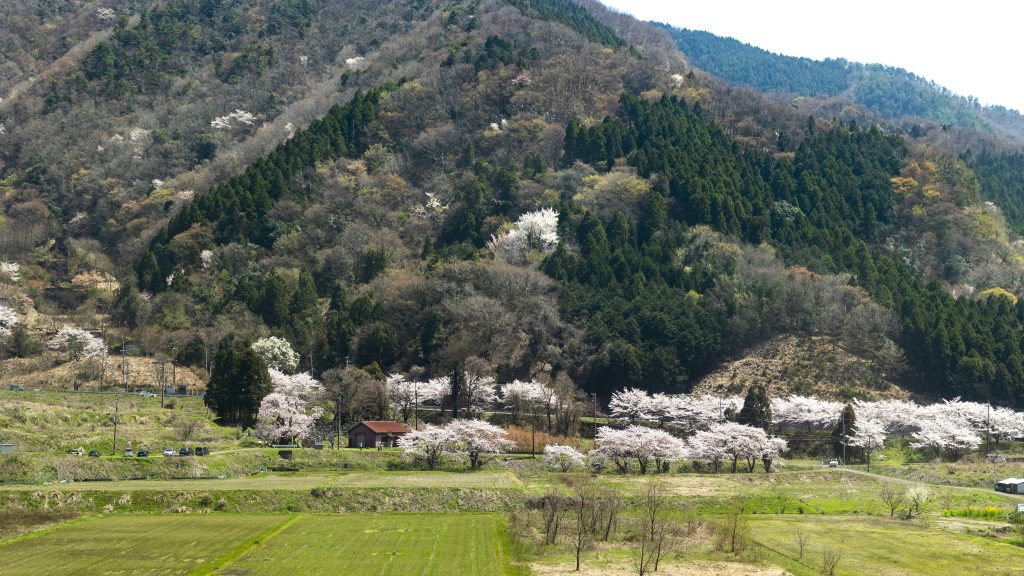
x=951 y=426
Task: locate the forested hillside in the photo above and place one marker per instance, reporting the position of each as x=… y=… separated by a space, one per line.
x=892 y=92
x=526 y=190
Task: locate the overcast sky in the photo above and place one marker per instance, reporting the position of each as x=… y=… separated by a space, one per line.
x=973 y=48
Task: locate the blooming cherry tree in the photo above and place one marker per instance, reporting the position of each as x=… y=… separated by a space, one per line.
x=533 y=232
x=954 y=436
x=283 y=418
x=301 y=385
x=8 y=320
x=11 y=271
x=77 y=343
x=277 y=353
x=631 y=404
x=640 y=443
x=428 y=445
x=868 y=435
x=479 y=440
x=563 y=458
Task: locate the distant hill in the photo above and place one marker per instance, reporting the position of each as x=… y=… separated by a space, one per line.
x=889 y=91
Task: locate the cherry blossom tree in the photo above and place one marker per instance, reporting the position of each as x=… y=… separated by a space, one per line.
x=77 y=343
x=533 y=232
x=640 y=443
x=277 y=353
x=563 y=458
x=479 y=440
x=479 y=392
x=518 y=396
x=10 y=271
x=954 y=436
x=805 y=411
x=301 y=385
x=428 y=445
x=631 y=404
x=868 y=435
x=736 y=441
x=8 y=320
x=283 y=418
x=401 y=394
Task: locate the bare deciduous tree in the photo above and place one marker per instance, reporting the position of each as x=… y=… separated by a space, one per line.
x=830 y=558
x=801 y=543
x=892 y=497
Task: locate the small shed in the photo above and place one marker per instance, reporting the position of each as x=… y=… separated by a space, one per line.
x=1011 y=486
x=7 y=448
x=376 y=434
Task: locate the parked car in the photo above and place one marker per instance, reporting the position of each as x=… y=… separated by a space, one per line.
x=76 y=451
x=128 y=453
x=142 y=453
x=147 y=394
x=833 y=463
x=94 y=453
x=169 y=452
x=16 y=388
x=186 y=451
x=202 y=451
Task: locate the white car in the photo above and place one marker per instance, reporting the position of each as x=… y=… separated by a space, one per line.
x=170 y=452
x=147 y=394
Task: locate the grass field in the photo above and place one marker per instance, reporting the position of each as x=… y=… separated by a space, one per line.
x=391 y=544
x=253 y=545
x=879 y=546
x=137 y=545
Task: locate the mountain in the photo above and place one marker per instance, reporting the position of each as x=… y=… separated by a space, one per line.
x=891 y=92
x=512 y=188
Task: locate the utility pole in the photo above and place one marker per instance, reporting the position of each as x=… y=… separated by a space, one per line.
x=416 y=406
x=114 y=452
x=174 y=369
x=843 y=416
x=124 y=366
x=988 y=427
x=593 y=398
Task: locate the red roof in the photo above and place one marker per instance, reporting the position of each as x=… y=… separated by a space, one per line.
x=385 y=426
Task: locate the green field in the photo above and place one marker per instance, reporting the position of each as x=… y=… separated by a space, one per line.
x=137 y=545
x=398 y=544
x=880 y=546
x=435 y=544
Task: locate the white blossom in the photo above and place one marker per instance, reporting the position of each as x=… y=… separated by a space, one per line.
x=137 y=134
x=479 y=440
x=353 y=62
x=301 y=385
x=736 y=442
x=805 y=411
x=106 y=13
x=639 y=443
x=953 y=435
x=8 y=320
x=206 y=259
x=533 y=231
x=277 y=353
x=77 y=343
x=283 y=418
x=429 y=445
x=563 y=458
x=11 y=271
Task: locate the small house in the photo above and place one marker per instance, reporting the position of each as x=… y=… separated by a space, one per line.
x=1011 y=486
x=376 y=434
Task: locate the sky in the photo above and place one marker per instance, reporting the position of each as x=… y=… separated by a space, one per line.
x=973 y=48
